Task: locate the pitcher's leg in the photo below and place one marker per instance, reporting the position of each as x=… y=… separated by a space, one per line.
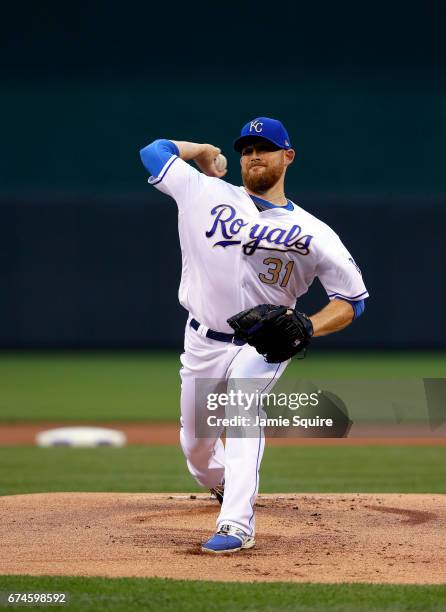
x=242 y=460
x=205 y=456
x=243 y=454
x=205 y=363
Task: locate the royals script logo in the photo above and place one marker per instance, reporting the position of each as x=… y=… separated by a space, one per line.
x=228 y=226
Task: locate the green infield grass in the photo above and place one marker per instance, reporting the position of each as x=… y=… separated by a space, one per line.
x=27 y=469
x=183 y=596
x=64 y=386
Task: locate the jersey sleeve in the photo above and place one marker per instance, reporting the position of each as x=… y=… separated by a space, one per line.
x=339 y=273
x=169 y=173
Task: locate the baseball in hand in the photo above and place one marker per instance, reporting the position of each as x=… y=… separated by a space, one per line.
x=221 y=162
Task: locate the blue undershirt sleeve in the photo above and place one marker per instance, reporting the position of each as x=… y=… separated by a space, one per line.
x=155 y=156
x=358 y=307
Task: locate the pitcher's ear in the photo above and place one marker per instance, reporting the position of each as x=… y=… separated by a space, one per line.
x=290 y=155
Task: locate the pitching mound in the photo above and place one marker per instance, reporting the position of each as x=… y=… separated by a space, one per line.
x=302 y=538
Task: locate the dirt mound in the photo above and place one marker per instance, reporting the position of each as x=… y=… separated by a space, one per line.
x=301 y=538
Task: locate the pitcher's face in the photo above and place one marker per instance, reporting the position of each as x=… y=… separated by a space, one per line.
x=263 y=164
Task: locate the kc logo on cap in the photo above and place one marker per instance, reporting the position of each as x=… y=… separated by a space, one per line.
x=263 y=128
x=256 y=125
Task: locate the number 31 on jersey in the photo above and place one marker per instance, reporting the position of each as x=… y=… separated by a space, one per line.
x=273 y=274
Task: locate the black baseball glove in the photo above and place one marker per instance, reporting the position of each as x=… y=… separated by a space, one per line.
x=277 y=332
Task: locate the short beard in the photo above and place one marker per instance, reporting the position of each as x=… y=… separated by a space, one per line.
x=261 y=183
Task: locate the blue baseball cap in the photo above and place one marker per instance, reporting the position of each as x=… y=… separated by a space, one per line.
x=266 y=129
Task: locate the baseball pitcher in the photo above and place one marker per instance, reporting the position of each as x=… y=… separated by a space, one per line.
x=248 y=253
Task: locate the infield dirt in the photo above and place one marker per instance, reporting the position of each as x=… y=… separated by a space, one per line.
x=388 y=538
x=379 y=434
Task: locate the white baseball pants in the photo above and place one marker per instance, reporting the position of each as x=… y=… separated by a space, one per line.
x=208 y=459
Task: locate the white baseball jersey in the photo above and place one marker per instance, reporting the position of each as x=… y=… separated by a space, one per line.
x=235 y=256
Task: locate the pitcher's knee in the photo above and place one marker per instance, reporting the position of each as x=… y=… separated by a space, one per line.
x=197 y=448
